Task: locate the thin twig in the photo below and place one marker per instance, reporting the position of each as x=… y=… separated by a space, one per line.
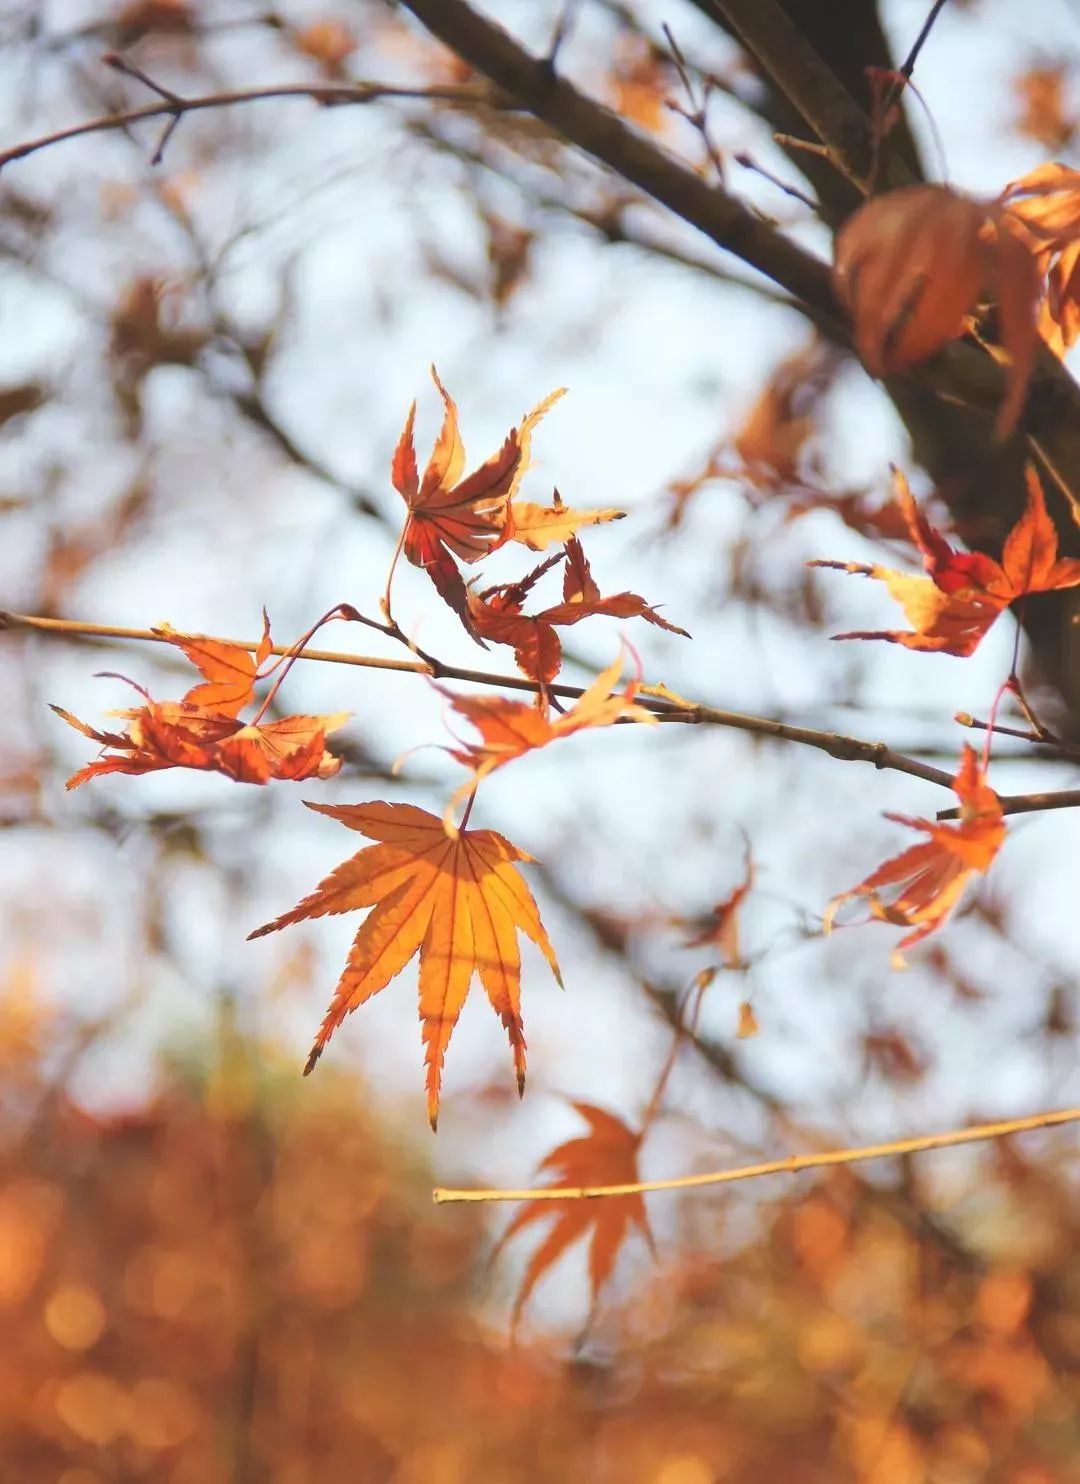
x=920 y=41
x=697 y=115
x=328 y=94
x=749 y=163
x=1047 y=740
x=844 y=748
x=637 y=159
x=977 y=1133
x=836 y=744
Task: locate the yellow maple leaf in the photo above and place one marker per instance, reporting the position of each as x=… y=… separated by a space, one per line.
x=458 y=901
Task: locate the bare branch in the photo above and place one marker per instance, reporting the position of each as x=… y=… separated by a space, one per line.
x=1064 y=798
x=976 y=1134
x=845 y=749
x=329 y=94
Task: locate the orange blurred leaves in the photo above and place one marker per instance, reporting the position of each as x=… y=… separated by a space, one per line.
x=720 y=927
x=457 y=900
x=910 y=266
x=1046 y=202
x=926 y=882
x=952 y=609
x=606 y=1155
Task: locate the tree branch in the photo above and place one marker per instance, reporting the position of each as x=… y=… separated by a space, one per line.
x=845 y=749
x=676 y=712
x=772 y=38
x=602 y=134
x=1064 y=798
x=329 y=94
x=978 y=1133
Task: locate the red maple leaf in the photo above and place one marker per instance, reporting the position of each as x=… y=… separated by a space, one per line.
x=496 y=612
x=952 y=608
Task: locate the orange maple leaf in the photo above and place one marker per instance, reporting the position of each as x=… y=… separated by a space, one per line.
x=458 y=900
x=928 y=880
x=509 y=729
x=952 y=609
x=203 y=731
x=909 y=267
x=720 y=927
x=541 y=526
x=230 y=671
x=1046 y=202
x=453 y=517
x=606 y=1155
x=1045 y=114
x=496 y=613
x=173 y=734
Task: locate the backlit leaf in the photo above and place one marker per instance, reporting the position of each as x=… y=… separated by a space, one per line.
x=450 y=517
x=910 y=265
x=509 y=729
x=541 y=526
x=606 y=1155
x=203 y=730
x=952 y=608
x=457 y=900
x=230 y=669
x=175 y=734
x=919 y=889
x=496 y=613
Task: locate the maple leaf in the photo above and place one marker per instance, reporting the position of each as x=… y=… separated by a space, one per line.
x=541 y=526
x=926 y=882
x=175 y=734
x=720 y=927
x=771 y=443
x=909 y=267
x=1046 y=203
x=453 y=517
x=952 y=608
x=458 y=900
x=509 y=729
x=606 y=1155
x=496 y=613
x=203 y=730
x=230 y=670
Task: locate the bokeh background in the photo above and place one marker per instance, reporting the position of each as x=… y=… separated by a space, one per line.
x=213 y=1270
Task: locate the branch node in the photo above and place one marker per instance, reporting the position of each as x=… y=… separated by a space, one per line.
x=120 y=63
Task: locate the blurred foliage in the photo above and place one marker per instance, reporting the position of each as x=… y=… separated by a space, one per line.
x=243 y=1278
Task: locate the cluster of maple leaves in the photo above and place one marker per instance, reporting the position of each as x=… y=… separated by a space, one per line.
x=911 y=266
x=449 y=894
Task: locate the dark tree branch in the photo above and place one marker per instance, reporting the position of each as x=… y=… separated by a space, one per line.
x=604 y=136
